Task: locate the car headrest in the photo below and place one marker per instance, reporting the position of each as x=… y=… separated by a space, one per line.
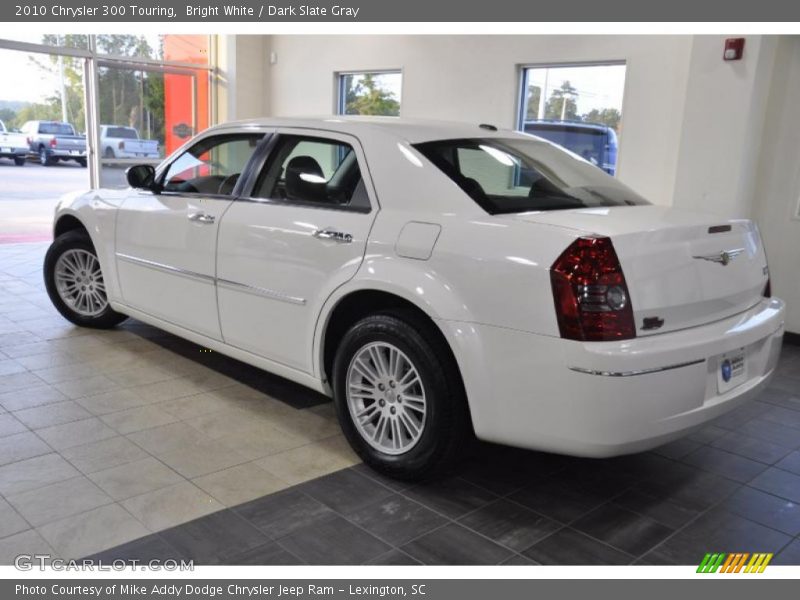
x=304 y=179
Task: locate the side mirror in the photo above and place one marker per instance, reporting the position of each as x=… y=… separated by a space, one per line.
x=142 y=177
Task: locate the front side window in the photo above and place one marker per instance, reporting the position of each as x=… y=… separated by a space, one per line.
x=517 y=175
x=313 y=170
x=212 y=166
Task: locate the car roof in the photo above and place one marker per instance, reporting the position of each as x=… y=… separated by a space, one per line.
x=411 y=130
x=554 y=123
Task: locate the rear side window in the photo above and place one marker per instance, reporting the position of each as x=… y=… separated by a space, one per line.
x=56 y=129
x=125 y=133
x=517 y=175
x=313 y=170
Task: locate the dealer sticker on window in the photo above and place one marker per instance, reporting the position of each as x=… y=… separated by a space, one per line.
x=731 y=371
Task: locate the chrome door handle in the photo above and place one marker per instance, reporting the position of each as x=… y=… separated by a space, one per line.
x=201 y=217
x=332 y=234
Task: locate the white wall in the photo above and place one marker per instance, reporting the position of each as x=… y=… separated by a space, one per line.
x=777 y=187
x=698 y=132
x=477 y=78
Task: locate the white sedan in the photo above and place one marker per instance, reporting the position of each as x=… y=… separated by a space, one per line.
x=436 y=280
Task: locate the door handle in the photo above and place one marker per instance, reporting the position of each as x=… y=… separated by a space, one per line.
x=332 y=234
x=201 y=217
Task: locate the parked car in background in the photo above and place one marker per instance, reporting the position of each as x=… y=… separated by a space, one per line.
x=54 y=141
x=435 y=279
x=595 y=142
x=13 y=145
x=117 y=141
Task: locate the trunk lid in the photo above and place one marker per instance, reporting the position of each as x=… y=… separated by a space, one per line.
x=682 y=269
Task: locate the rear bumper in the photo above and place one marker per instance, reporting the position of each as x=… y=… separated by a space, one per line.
x=11 y=152
x=126 y=154
x=66 y=153
x=608 y=398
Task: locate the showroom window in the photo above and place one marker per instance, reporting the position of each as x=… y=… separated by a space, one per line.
x=370 y=93
x=134 y=98
x=578 y=107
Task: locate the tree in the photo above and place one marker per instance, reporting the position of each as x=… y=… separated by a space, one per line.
x=534 y=97
x=606 y=116
x=365 y=96
x=562 y=106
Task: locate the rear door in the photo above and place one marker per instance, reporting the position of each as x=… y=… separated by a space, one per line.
x=166 y=243
x=299 y=235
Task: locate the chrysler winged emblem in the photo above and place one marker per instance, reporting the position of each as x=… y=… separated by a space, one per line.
x=724 y=258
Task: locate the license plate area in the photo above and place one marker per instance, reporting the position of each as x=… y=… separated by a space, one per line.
x=731 y=370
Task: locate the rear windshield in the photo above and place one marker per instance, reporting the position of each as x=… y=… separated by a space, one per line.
x=125 y=133
x=516 y=175
x=56 y=128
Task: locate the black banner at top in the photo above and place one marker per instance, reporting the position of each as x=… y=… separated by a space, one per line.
x=173 y=11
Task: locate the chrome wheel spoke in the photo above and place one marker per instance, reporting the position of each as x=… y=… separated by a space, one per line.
x=386 y=398
x=79 y=282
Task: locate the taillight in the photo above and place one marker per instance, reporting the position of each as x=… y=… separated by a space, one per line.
x=121 y=145
x=768 y=289
x=591 y=296
x=53 y=142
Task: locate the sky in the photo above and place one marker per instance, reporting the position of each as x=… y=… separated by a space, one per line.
x=28 y=82
x=598 y=86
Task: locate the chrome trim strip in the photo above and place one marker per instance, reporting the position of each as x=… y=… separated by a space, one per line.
x=166 y=268
x=233 y=285
x=258 y=291
x=637 y=372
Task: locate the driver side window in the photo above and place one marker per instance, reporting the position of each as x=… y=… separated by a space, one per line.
x=212 y=166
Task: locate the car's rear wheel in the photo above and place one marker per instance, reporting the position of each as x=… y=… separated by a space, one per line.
x=399 y=396
x=75 y=284
x=82 y=162
x=44 y=158
x=19 y=161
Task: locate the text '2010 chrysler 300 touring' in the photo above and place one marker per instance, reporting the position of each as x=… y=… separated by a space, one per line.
x=435 y=279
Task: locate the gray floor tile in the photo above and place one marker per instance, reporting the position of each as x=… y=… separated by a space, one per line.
x=345 y=491
x=76 y=433
x=216 y=538
x=396 y=519
x=10 y=521
x=455 y=545
x=780 y=483
x=105 y=454
x=630 y=532
x=510 y=524
x=21 y=446
x=271 y=553
x=724 y=463
x=333 y=541
x=52 y=414
x=752 y=448
x=282 y=513
x=34 y=473
x=570 y=547
x=769 y=510
x=10 y=425
x=790 y=463
x=393 y=558
x=59 y=500
x=453 y=497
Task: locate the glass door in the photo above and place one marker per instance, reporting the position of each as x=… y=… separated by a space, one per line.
x=144 y=114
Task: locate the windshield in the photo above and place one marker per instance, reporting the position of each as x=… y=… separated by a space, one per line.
x=56 y=129
x=518 y=175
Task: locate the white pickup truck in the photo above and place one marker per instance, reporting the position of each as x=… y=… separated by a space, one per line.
x=118 y=141
x=13 y=145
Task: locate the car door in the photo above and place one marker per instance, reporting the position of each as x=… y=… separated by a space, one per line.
x=166 y=242
x=299 y=235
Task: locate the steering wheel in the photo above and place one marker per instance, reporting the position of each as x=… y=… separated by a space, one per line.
x=230 y=180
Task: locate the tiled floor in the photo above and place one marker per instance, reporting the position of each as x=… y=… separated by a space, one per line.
x=132 y=443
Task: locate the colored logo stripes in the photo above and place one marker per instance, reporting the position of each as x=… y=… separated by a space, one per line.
x=736 y=562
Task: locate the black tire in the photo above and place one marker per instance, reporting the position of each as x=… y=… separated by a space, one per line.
x=109 y=153
x=81 y=162
x=75 y=239
x=19 y=161
x=447 y=426
x=44 y=159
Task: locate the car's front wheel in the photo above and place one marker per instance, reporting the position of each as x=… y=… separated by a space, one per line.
x=19 y=161
x=75 y=284
x=399 y=396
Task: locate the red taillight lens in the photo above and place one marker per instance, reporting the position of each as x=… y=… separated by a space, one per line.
x=768 y=289
x=53 y=142
x=591 y=296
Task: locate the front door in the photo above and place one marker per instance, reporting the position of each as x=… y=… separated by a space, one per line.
x=166 y=242
x=299 y=235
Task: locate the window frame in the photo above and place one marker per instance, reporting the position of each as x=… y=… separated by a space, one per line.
x=268 y=150
x=339 y=106
x=163 y=169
